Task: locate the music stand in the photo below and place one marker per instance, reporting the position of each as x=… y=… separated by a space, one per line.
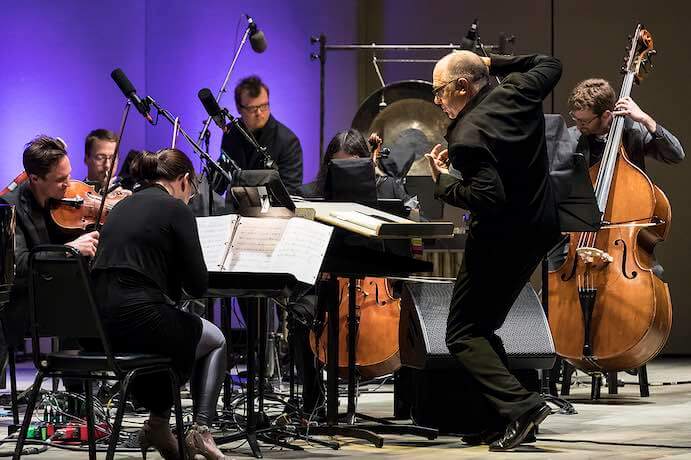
x=351 y=180
x=261 y=192
x=576 y=203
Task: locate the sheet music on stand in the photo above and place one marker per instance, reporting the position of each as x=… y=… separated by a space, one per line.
x=264 y=245
x=371 y=222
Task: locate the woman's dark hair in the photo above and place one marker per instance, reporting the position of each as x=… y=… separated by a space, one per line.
x=350 y=141
x=167 y=164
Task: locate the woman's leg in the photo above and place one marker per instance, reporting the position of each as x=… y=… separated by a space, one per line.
x=209 y=372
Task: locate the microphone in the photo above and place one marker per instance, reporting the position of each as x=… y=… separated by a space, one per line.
x=257 y=39
x=212 y=108
x=468 y=43
x=130 y=93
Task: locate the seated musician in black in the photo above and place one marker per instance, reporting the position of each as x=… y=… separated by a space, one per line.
x=48 y=166
x=350 y=143
x=149 y=253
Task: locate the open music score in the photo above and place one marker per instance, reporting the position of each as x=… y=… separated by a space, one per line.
x=264 y=245
x=371 y=222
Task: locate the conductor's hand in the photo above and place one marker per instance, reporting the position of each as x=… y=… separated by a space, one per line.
x=86 y=244
x=438 y=161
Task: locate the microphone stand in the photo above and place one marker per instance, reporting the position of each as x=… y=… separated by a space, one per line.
x=109 y=176
x=206 y=139
x=269 y=163
x=210 y=164
x=223 y=89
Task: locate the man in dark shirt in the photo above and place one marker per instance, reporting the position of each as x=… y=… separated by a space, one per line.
x=46 y=162
x=593 y=106
x=497 y=146
x=99 y=153
x=283 y=147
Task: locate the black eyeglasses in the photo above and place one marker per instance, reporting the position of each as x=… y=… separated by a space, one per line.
x=437 y=90
x=582 y=122
x=255 y=108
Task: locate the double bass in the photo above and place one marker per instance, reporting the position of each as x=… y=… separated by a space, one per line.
x=608 y=310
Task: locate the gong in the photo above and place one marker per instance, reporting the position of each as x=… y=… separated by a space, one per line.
x=410 y=124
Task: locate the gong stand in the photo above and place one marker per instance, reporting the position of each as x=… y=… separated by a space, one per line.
x=322 y=52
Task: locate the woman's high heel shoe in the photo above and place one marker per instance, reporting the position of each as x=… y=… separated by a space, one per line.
x=160 y=437
x=200 y=444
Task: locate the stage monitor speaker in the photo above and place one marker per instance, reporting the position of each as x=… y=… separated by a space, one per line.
x=424 y=311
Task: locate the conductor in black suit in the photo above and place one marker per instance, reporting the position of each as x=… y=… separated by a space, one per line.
x=497 y=146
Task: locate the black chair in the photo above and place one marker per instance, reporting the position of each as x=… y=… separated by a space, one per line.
x=62 y=305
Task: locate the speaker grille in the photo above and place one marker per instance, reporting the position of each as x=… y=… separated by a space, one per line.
x=424 y=311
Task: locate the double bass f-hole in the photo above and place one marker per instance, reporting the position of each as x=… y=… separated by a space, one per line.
x=623 y=259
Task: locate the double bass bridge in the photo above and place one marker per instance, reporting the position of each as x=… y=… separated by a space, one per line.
x=593 y=257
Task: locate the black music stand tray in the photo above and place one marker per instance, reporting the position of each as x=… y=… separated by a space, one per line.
x=352 y=262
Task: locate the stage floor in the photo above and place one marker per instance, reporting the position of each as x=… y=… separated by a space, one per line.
x=616 y=426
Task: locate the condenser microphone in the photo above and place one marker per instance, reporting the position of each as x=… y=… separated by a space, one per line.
x=212 y=108
x=257 y=39
x=130 y=93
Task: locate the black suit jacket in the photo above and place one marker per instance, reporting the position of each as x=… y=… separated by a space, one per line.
x=282 y=144
x=497 y=143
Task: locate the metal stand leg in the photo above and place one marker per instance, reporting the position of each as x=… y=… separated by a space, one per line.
x=595 y=386
x=353 y=325
x=11 y=356
x=226 y=306
x=643 y=381
x=88 y=391
x=567 y=372
x=612 y=383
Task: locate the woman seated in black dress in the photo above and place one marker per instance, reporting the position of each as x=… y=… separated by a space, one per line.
x=149 y=252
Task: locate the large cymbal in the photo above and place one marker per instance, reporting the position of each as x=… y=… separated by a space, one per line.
x=410 y=124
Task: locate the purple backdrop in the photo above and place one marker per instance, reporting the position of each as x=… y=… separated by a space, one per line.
x=57 y=58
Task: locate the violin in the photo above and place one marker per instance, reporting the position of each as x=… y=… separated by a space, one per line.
x=79 y=208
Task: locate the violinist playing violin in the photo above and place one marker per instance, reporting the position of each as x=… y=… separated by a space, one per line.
x=48 y=166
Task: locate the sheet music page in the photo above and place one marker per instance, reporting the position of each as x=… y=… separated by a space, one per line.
x=302 y=249
x=254 y=243
x=359 y=218
x=214 y=235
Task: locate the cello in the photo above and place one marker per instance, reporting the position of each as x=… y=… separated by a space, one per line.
x=608 y=310
x=378 y=314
